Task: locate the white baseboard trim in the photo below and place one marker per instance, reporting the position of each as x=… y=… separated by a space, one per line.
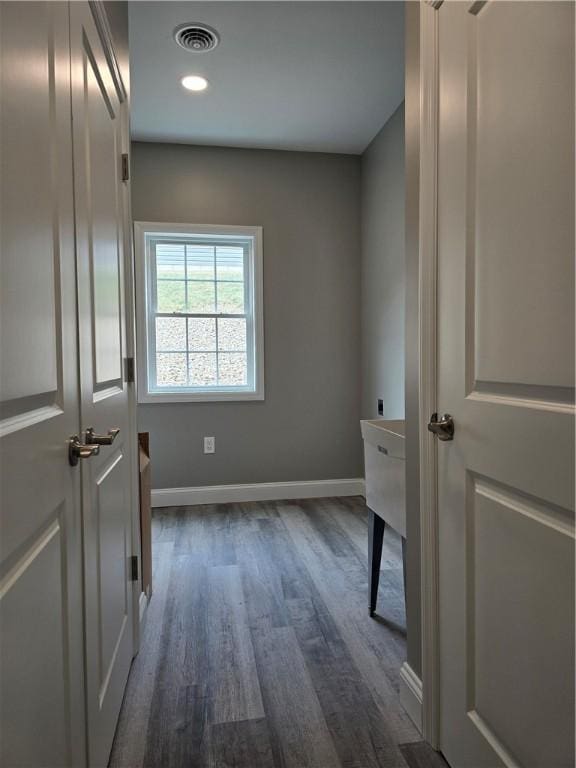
x=411 y=694
x=222 y=494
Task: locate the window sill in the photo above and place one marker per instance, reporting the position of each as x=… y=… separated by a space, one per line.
x=149 y=398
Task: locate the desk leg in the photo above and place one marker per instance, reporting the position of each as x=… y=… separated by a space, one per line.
x=376 y=527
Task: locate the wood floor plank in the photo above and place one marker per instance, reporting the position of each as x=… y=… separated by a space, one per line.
x=233 y=679
x=350 y=515
x=241 y=744
x=218 y=523
x=259 y=652
x=320 y=514
x=204 y=536
x=378 y=649
x=164 y=527
x=182 y=661
x=300 y=737
x=130 y=740
x=188 y=742
x=262 y=578
x=361 y=735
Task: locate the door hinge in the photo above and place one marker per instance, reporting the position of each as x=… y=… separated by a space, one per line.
x=134 y=568
x=129 y=370
x=125 y=167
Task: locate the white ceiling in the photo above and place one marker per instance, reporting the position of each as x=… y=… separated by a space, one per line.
x=315 y=76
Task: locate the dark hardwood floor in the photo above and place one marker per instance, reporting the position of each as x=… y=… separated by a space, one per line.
x=258 y=651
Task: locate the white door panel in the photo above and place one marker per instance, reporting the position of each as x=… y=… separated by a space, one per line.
x=113 y=549
x=521 y=567
x=506 y=374
x=102 y=164
x=97 y=105
x=39 y=582
x=30 y=140
x=520 y=195
x=41 y=658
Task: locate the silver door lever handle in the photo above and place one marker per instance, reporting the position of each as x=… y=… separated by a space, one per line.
x=443 y=428
x=101 y=439
x=78 y=450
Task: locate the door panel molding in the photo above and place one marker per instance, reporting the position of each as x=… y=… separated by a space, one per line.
x=29 y=418
x=25 y=560
x=503 y=243
x=559 y=399
x=40 y=578
x=559 y=518
x=487 y=733
x=105 y=34
x=508 y=533
x=104 y=394
x=21 y=242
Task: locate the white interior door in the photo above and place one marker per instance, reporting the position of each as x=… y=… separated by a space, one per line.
x=99 y=142
x=41 y=661
x=506 y=375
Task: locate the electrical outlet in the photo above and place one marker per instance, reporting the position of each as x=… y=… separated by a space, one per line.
x=209 y=445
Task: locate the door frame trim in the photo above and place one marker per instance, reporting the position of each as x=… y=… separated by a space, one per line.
x=138 y=595
x=105 y=34
x=100 y=18
x=130 y=315
x=427 y=374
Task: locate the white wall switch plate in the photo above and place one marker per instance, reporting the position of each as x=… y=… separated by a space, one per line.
x=209 y=445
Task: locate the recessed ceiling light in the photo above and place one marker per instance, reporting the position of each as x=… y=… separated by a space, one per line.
x=194 y=83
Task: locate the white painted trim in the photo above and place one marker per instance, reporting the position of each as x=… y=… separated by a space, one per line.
x=222 y=494
x=256 y=314
x=411 y=694
x=200 y=397
x=183 y=228
x=428 y=202
x=130 y=351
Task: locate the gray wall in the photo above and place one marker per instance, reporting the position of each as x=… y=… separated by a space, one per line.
x=383 y=271
x=390 y=302
x=309 y=206
x=412 y=109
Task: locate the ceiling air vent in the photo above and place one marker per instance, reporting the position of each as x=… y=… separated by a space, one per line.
x=198 y=38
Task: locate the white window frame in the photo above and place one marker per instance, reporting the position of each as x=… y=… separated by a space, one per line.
x=143 y=230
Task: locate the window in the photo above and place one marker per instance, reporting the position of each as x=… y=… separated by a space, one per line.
x=200 y=331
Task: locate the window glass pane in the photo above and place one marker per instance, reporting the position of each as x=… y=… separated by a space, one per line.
x=202 y=370
x=232 y=334
x=209 y=276
x=229 y=263
x=170 y=334
x=170 y=296
x=169 y=261
x=200 y=297
x=200 y=260
x=170 y=370
x=201 y=334
x=231 y=298
x=232 y=369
